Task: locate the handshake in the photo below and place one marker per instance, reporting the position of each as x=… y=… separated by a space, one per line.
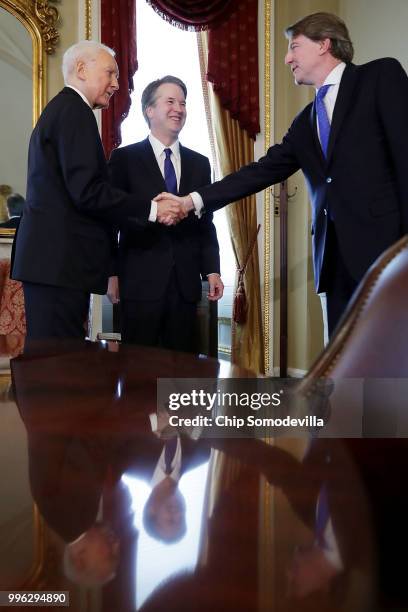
x=171 y=208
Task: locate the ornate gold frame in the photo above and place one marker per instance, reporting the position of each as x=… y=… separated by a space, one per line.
x=88 y=19
x=40 y=20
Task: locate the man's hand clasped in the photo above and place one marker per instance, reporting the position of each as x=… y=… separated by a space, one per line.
x=171 y=208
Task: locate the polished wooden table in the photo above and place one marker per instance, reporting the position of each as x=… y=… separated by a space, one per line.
x=239 y=529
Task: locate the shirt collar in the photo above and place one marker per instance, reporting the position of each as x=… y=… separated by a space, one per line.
x=334 y=77
x=158 y=147
x=85 y=99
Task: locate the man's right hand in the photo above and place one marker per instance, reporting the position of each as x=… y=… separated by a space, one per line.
x=174 y=208
x=170 y=211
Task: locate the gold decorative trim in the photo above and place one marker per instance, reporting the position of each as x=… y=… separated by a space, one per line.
x=37 y=16
x=39 y=19
x=88 y=19
x=7 y=232
x=47 y=18
x=267 y=193
x=37 y=568
x=267 y=545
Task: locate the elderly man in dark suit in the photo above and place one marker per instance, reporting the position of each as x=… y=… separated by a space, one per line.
x=352 y=145
x=160 y=268
x=63 y=246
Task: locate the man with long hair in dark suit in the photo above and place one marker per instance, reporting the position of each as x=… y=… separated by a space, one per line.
x=351 y=143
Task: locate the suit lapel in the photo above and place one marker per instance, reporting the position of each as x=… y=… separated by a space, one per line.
x=186 y=171
x=343 y=102
x=152 y=169
x=315 y=134
x=151 y=166
x=344 y=99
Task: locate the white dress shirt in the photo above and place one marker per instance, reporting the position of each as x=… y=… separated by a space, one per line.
x=329 y=100
x=158 y=150
x=159 y=473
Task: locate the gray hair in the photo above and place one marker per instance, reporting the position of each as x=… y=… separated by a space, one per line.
x=86 y=50
x=85 y=577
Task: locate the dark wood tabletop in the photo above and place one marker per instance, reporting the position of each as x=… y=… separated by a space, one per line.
x=243 y=522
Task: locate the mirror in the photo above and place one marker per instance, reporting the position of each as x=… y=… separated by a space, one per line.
x=27 y=34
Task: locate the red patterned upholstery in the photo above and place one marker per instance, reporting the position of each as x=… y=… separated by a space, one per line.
x=12 y=315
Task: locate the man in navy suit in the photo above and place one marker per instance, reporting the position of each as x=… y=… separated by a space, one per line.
x=63 y=244
x=352 y=145
x=160 y=268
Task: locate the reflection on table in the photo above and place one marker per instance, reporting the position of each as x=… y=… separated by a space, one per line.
x=210 y=523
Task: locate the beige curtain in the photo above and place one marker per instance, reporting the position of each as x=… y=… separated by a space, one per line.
x=232 y=148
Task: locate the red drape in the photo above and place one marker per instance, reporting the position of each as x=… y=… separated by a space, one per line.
x=233 y=64
x=193 y=14
x=118 y=31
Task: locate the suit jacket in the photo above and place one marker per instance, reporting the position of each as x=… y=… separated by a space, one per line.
x=362 y=184
x=11 y=223
x=146 y=257
x=64 y=237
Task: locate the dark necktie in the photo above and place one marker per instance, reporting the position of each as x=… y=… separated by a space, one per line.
x=322 y=516
x=169 y=173
x=169 y=451
x=322 y=118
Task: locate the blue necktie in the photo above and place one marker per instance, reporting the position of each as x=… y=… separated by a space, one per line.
x=169 y=173
x=322 y=118
x=322 y=516
x=169 y=451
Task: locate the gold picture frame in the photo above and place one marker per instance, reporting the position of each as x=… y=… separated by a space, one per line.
x=40 y=19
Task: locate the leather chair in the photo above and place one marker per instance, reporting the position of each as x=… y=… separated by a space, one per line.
x=367 y=362
x=371 y=339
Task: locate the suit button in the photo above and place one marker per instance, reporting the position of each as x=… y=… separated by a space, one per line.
x=329 y=179
x=325 y=212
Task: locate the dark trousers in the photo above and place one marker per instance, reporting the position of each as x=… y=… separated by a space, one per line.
x=340 y=285
x=55 y=312
x=168 y=322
